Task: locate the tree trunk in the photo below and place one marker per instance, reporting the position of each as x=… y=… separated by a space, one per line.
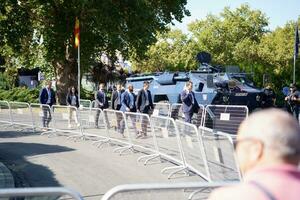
x=66 y=76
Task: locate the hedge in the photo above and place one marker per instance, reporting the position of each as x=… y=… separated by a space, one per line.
x=20 y=94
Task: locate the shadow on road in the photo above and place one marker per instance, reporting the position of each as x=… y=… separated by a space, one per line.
x=27 y=174
x=16 y=134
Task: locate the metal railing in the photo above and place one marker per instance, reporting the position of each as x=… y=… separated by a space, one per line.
x=161 y=191
x=161 y=109
x=40 y=192
x=203 y=151
x=85 y=103
x=224 y=118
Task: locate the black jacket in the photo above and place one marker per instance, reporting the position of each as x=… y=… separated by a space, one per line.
x=141 y=101
x=69 y=100
x=43 y=97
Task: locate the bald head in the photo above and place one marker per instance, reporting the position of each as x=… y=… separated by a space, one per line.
x=275 y=128
x=269 y=136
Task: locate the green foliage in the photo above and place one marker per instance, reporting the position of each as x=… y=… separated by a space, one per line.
x=172 y=51
x=4 y=83
x=105 y=26
x=20 y=94
x=85 y=94
x=234 y=37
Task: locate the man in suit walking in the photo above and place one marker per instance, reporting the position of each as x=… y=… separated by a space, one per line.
x=144 y=104
x=116 y=104
x=189 y=102
x=47 y=97
x=116 y=98
x=101 y=101
x=128 y=105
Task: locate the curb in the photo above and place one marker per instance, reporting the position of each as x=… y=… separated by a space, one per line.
x=6 y=178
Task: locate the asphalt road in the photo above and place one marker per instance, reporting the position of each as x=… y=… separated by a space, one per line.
x=39 y=161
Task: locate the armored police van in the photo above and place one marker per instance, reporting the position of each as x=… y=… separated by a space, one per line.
x=211 y=85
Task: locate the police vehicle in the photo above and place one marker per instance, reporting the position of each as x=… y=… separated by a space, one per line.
x=211 y=85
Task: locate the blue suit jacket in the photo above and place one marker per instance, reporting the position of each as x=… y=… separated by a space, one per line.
x=101 y=100
x=187 y=102
x=43 y=97
x=125 y=102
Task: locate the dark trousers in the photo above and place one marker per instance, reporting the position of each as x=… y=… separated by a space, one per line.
x=145 y=121
x=97 y=117
x=46 y=116
x=188 y=116
x=294 y=110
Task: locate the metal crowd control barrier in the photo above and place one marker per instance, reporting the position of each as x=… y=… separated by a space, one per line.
x=161 y=191
x=224 y=118
x=117 y=130
x=141 y=135
x=197 y=119
x=5 y=114
x=84 y=103
x=41 y=115
x=21 y=114
x=66 y=119
x=168 y=144
x=161 y=109
x=93 y=104
x=43 y=192
x=92 y=122
x=176 y=112
x=192 y=147
x=220 y=156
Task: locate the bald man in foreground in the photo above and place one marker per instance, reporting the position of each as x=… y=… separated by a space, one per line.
x=268 y=151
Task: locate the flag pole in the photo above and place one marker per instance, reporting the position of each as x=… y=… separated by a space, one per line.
x=78 y=63
x=296 y=51
x=294 y=71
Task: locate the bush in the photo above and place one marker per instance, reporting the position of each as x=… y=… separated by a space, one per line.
x=20 y=94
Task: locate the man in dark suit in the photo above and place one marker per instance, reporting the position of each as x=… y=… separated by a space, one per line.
x=116 y=104
x=101 y=101
x=128 y=105
x=189 y=102
x=116 y=98
x=144 y=104
x=47 y=97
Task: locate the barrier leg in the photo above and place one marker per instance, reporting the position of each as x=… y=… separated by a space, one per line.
x=191 y=196
x=177 y=169
x=76 y=137
x=148 y=158
x=120 y=150
x=49 y=133
x=100 y=143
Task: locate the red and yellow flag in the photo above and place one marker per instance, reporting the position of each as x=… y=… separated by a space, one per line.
x=77 y=31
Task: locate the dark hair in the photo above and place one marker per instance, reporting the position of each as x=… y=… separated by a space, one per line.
x=70 y=90
x=146 y=83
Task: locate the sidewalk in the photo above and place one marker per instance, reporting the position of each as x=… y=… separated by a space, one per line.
x=6 y=178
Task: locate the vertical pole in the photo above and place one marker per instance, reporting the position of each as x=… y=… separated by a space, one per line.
x=294 y=71
x=78 y=62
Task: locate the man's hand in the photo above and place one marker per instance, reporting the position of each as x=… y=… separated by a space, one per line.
x=127 y=109
x=286 y=98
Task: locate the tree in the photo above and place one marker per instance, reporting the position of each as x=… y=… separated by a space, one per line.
x=128 y=26
x=276 y=51
x=173 y=51
x=231 y=37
